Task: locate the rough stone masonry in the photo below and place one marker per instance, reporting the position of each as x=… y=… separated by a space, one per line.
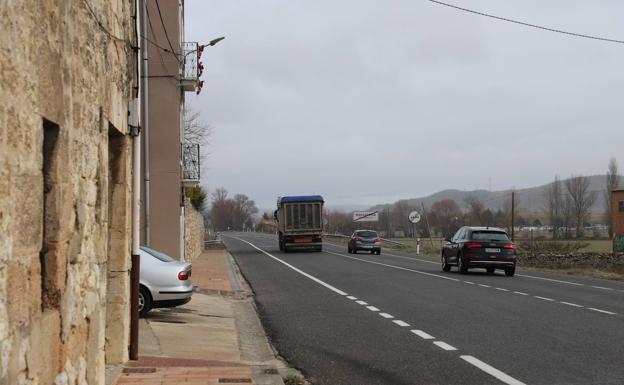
x=65 y=159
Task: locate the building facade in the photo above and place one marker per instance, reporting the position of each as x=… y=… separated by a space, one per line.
x=172 y=69
x=67 y=76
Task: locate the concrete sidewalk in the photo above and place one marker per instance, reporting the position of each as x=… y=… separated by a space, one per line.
x=214 y=339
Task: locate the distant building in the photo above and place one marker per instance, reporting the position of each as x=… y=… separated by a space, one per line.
x=617 y=197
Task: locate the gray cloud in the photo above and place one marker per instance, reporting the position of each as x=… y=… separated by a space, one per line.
x=371 y=101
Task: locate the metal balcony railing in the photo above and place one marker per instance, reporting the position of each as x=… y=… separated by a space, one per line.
x=191 y=164
x=190 y=66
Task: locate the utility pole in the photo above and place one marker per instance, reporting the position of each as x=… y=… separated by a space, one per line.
x=513 y=210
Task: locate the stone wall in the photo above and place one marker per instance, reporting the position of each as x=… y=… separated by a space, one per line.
x=193 y=231
x=575 y=260
x=65 y=86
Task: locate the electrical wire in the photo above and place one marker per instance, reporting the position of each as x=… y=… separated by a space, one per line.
x=153 y=34
x=165 y=29
x=102 y=27
x=528 y=24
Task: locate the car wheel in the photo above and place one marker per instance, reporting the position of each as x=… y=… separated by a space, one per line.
x=490 y=270
x=348 y=249
x=510 y=271
x=145 y=301
x=354 y=250
x=445 y=266
x=372 y=251
x=378 y=252
x=461 y=266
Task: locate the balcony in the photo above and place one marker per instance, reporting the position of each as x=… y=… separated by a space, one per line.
x=191 y=164
x=189 y=80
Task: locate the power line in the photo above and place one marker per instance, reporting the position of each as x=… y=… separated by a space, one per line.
x=101 y=25
x=165 y=29
x=527 y=24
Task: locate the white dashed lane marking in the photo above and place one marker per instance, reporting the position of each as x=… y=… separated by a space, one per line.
x=372 y=308
x=386 y=315
x=401 y=323
x=361 y=303
x=491 y=370
x=501 y=289
x=482 y=285
x=601 y=311
x=571 y=304
x=444 y=345
x=544 y=298
x=519 y=292
x=422 y=334
x=351 y=297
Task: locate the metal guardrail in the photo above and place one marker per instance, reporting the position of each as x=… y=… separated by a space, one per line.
x=395 y=243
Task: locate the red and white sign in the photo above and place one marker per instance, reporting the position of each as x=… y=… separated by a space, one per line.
x=365 y=216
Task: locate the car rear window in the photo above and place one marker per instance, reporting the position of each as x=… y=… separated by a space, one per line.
x=489 y=236
x=157 y=254
x=367 y=234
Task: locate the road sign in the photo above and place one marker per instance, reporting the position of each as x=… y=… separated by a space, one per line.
x=365 y=216
x=414 y=217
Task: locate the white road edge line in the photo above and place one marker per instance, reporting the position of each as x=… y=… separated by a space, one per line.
x=470 y=283
x=351 y=297
x=501 y=289
x=482 y=285
x=422 y=334
x=544 y=298
x=330 y=287
x=372 y=308
x=602 y=311
x=386 y=315
x=444 y=345
x=492 y=371
x=401 y=323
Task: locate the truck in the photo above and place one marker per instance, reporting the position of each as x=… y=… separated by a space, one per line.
x=300 y=222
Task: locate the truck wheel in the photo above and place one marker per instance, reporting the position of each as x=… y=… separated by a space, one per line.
x=319 y=249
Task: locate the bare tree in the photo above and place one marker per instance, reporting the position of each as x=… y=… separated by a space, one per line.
x=612 y=183
x=195 y=130
x=581 y=198
x=554 y=206
x=475 y=210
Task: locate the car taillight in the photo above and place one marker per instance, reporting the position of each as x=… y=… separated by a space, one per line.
x=358 y=238
x=472 y=245
x=184 y=275
x=377 y=239
x=509 y=246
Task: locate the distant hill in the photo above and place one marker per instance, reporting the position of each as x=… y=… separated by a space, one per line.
x=527 y=200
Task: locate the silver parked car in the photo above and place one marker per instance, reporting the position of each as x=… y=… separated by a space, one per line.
x=165 y=282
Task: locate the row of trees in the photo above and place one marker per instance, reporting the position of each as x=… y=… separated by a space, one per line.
x=236 y=213
x=567 y=209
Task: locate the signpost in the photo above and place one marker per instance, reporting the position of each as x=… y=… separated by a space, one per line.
x=414 y=217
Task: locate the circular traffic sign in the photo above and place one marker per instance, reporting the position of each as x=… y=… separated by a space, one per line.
x=414 y=217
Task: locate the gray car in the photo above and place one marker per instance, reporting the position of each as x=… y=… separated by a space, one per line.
x=165 y=282
x=367 y=240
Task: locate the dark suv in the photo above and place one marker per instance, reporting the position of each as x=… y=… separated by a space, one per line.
x=367 y=240
x=484 y=247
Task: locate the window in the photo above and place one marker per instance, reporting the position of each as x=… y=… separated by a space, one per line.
x=621 y=206
x=157 y=254
x=489 y=236
x=367 y=234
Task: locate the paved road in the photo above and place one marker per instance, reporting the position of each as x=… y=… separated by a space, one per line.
x=398 y=319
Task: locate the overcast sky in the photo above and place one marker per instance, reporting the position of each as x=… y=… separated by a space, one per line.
x=367 y=102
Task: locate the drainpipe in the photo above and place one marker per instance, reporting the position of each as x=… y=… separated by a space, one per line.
x=136 y=201
x=146 y=131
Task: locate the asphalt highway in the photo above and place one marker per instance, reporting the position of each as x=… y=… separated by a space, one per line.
x=398 y=319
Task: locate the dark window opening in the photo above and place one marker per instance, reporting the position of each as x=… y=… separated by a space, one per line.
x=621 y=206
x=50 y=294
